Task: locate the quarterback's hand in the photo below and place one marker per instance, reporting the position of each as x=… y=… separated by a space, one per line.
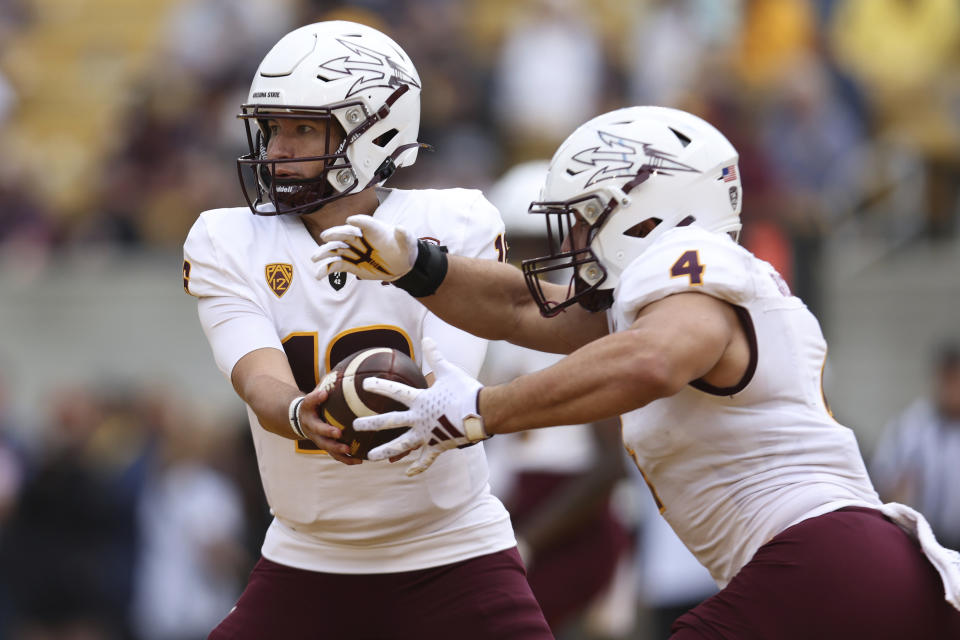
x=324 y=435
x=440 y=417
x=368 y=248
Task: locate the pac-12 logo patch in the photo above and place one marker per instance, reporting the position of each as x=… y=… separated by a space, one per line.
x=279 y=276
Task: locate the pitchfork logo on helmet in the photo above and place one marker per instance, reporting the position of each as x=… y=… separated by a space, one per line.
x=370 y=68
x=619 y=157
x=618 y=183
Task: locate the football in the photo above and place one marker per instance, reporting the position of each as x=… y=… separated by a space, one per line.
x=347 y=399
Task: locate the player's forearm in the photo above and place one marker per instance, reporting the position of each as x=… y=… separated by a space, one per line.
x=270 y=400
x=606 y=378
x=482 y=297
x=491 y=300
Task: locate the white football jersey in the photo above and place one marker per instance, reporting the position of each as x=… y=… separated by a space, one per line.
x=731 y=468
x=256 y=288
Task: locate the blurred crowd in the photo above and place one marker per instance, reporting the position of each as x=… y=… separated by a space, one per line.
x=133 y=516
x=846 y=114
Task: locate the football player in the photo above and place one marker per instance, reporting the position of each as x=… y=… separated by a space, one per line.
x=713 y=365
x=356 y=548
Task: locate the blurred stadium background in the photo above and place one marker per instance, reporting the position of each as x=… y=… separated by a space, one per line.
x=117 y=127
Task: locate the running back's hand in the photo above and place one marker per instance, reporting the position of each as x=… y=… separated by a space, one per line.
x=441 y=417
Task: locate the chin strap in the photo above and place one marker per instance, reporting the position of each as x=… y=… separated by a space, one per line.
x=388 y=166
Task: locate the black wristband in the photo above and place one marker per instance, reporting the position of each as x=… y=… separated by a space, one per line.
x=428 y=271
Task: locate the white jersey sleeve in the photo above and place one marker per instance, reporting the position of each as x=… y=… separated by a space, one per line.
x=482 y=231
x=469 y=224
x=234 y=323
x=206 y=269
x=235 y=327
x=686 y=259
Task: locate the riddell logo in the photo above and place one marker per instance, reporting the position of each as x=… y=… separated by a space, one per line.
x=266 y=94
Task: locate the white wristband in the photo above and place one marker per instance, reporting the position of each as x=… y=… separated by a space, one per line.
x=473 y=428
x=294 y=415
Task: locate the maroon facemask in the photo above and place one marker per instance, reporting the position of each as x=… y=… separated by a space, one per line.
x=258 y=175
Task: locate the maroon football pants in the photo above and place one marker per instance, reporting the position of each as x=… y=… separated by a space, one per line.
x=843 y=575
x=482 y=598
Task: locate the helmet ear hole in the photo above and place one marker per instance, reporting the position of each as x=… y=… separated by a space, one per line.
x=642 y=229
x=684 y=140
x=384 y=139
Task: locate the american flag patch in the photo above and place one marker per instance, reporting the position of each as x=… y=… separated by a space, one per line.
x=729 y=173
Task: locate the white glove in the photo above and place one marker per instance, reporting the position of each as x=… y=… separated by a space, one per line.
x=440 y=417
x=368 y=248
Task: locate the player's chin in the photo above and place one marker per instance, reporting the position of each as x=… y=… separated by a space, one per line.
x=308 y=198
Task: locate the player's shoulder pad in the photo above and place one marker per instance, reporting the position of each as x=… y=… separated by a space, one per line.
x=207 y=251
x=220 y=227
x=463 y=220
x=686 y=259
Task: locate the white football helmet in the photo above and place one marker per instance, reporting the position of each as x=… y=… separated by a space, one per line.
x=628 y=176
x=340 y=74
